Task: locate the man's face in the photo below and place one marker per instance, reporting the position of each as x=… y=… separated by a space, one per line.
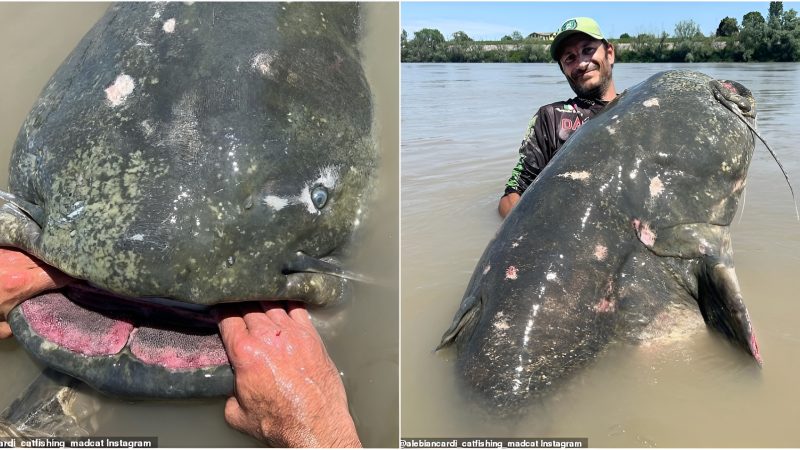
x=586 y=63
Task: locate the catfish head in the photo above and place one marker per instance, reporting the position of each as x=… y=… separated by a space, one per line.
x=200 y=154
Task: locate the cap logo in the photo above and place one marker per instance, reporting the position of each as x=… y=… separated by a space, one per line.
x=569 y=25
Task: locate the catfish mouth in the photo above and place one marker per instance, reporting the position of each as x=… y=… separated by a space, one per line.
x=148 y=347
x=125 y=346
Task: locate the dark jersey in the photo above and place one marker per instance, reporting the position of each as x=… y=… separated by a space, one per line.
x=547 y=132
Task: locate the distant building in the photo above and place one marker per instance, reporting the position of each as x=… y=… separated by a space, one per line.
x=547 y=36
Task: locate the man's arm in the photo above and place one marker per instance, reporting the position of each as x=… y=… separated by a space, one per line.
x=507 y=202
x=288 y=392
x=531 y=161
x=22 y=277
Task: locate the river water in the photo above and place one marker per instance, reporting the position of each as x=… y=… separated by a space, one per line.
x=461 y=127
x=34 y=39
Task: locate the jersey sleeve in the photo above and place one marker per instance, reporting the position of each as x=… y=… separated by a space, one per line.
x=531 y=154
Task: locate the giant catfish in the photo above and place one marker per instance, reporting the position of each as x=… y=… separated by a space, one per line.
x=182 y=156
x=628 y=221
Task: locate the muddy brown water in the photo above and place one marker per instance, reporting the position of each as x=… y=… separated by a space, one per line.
x=363 y=341
x=461 y=127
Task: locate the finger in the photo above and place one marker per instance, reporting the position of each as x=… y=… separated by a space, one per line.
x=5 y=331
x=257 y=321
x=234 y=414
x=231 y=327
x=52 y=278
x=276 y=312
x=14 y=255
x=298 y=312
x=15 y=285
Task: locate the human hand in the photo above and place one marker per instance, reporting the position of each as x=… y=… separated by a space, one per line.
x=22 y=277
x=287 y=390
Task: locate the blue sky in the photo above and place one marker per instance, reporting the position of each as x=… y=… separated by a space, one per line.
x=492 y=20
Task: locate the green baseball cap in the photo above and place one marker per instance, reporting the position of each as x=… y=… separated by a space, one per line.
x=583 y=25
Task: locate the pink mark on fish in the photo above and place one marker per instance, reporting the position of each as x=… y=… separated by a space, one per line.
x=605 y=305
x=646 y=235
x=754 y=347
x=600 y=252
x=511 y=273
x=120 y=90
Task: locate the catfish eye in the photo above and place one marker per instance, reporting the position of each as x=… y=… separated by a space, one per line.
x=319 y=196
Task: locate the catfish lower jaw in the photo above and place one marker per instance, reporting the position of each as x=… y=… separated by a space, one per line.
x=134 y=350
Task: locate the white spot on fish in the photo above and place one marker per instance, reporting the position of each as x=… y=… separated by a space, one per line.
x=582 y=175
x=141 y=43
x=635 y=171
x=487 y=269
x=328 y=177
x=262 y=63
x=147 y=127
x=529 y=326
x=169 y=26
x=305 y=197
x=611 y=130
x=137 y=237
x=585 y=217
x=75 y=213
x=656 y=186
x=501 y=323
x=551 y=276
x=651 y=102
x=120 y=90
x=704 y=247
x=275 y=203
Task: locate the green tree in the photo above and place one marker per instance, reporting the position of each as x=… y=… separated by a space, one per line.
x=728 y=27
x=687 y=29
x=404 y=46
x=783 y=34
x=506 y=38
x=517 y=36
x=427 y=45
x=754 y=36
x=460 y=36
x=624 y=36
x=775 y=15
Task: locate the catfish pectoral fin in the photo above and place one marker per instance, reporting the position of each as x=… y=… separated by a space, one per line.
x=722 y=306
x=466 y=315
x=17 y=228
x=35 y=212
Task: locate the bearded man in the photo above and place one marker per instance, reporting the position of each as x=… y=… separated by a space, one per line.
x=586 y=59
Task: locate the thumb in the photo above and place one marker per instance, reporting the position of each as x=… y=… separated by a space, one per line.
x=5 y=330
x=234 y=414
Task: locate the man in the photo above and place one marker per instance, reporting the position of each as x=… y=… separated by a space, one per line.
x=288 y=392
x=586 y=59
